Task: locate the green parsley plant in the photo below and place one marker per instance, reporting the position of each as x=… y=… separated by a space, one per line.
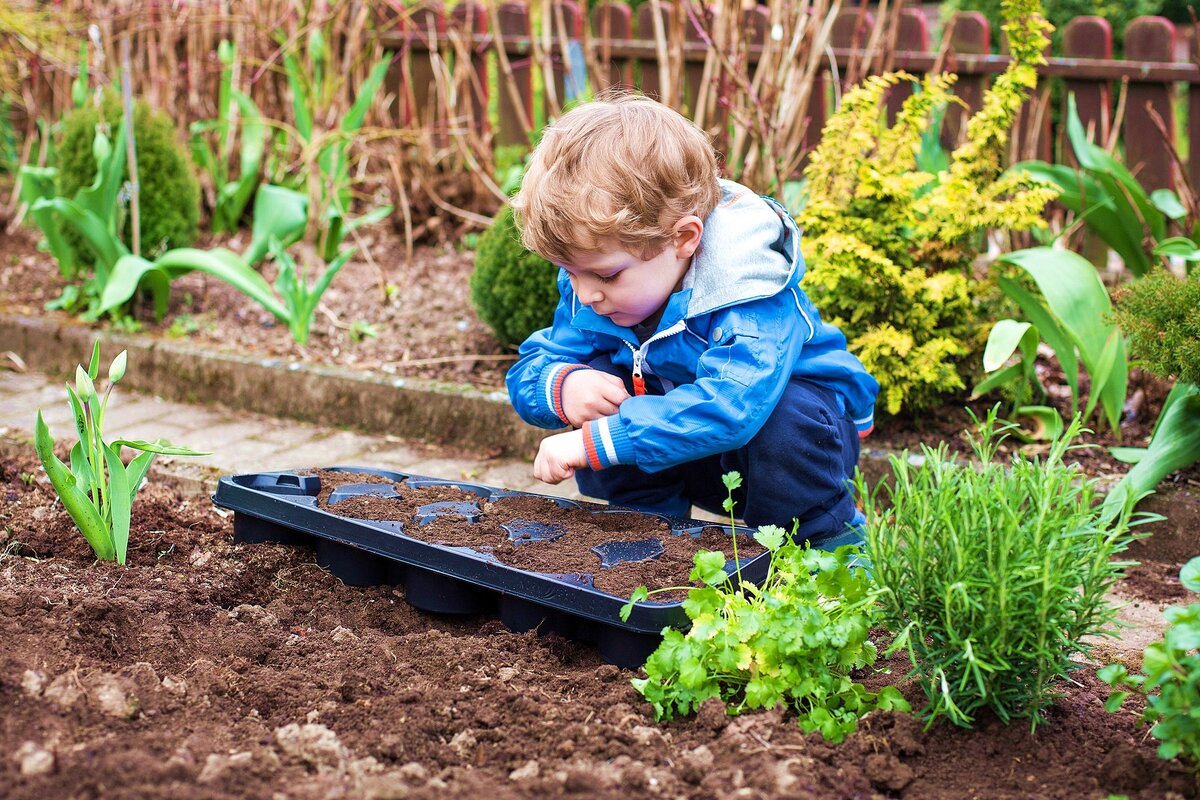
x=792 y=641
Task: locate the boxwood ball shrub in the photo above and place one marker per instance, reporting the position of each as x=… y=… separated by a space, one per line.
x=169 y=196
x=514 y=291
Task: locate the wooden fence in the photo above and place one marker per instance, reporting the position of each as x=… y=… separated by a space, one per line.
x=623 y=43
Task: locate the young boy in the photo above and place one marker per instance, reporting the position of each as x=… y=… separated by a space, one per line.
x=682 y=346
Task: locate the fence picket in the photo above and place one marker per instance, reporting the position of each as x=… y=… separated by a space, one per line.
x=970 y=34
x=469 y=19
x=611 y=21
x=912 y=36
x=515 y=31
x=1149 y=39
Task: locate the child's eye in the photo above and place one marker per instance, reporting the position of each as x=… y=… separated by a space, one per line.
x=607 y=278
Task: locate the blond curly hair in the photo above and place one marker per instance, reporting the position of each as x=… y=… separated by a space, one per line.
x=621 y=168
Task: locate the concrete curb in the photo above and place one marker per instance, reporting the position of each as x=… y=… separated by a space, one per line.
x=331 y=396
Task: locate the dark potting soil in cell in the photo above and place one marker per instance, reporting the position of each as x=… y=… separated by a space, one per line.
x=569 y=553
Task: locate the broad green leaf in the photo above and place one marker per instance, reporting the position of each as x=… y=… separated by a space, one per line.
x=137 y=471
x=1176 y=444
x=710 y=568
x=278 y=212
x=106 y=246
x=1115 y=701
x=161 y=447
x=1049 y=329
x=100 y=198
x=1178 y=246
x=80 y=468
x=1116 y=386
x=1122 y=185
x=1078 y=300
x=76 y=503
x=1002 y=342
x=1128 y=455
x=1089 y=199
x=300 y=101
x=1168 y=203
x=1048 y=423
x=118 y=499
x=38 y=183
x=997 y=379
x=1189 y=576
x=131 y=270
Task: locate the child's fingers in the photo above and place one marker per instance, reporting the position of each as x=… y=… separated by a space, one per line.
x=615 y=394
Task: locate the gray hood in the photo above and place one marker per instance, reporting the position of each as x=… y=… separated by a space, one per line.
x=749 y=249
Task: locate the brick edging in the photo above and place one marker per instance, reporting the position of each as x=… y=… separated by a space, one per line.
x=332 y=396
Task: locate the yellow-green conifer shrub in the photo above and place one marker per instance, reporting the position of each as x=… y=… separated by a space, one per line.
x=890 y=249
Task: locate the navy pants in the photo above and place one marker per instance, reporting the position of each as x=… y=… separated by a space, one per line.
x=797 y=467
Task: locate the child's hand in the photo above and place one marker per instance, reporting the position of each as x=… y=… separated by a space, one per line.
x=559 y=456
x=589 y=394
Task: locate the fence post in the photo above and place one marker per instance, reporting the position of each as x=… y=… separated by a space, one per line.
x=912 y=36
x=649 y=69
x=428 y=26
x=470 y=18
x=1149 y=39
x=611 y=20
x=515 y=25
x=1087 y=37
x=970 y=34
x=1193 y=162
x=693 y=71
x=561 y=59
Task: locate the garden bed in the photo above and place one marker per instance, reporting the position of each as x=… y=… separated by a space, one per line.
x=207 y=669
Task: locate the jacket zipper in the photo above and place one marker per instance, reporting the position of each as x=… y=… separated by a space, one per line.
x=639 y=354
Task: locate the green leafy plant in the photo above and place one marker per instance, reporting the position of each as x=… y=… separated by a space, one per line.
x=514 y=291
x=168 y=191
x=94 y=211
x=98 y=489
x=1073 y=317
x=314 y=83
x=361 y=330
x=1170 y=678
x=231 y=195
x=792 y=641
x=992 y=575
x=1111 y=201
x=299 y=299
x=890 y=246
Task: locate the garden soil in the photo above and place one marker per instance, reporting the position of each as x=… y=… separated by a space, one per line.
x=205 y=669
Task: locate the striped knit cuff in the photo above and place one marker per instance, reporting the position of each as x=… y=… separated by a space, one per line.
x=555 y=377
x=865 y=426
x=606 y=443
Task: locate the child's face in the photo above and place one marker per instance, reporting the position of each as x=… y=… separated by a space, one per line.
x=627 y=289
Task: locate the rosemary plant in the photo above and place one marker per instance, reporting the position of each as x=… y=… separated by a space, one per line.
x=993 y=575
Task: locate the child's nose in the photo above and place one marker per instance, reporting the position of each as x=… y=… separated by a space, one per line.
x=591 y=294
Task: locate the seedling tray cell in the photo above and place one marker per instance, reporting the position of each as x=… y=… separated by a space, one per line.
x=283 y=507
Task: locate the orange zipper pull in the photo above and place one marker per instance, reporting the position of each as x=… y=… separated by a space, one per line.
x=639 y=383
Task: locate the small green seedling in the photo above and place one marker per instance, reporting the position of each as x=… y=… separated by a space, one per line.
x=360 y=329
x=1170 y=678
x=97 y=490
x=28 y=478
x=793 y=641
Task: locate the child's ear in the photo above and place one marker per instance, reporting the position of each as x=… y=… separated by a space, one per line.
x=687 y=236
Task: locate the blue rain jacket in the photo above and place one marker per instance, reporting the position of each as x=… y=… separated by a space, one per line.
x=728 y=343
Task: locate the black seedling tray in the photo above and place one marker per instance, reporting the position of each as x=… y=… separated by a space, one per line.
x=282 y=507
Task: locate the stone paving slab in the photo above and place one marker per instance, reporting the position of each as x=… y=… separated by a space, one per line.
x=242 y=441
